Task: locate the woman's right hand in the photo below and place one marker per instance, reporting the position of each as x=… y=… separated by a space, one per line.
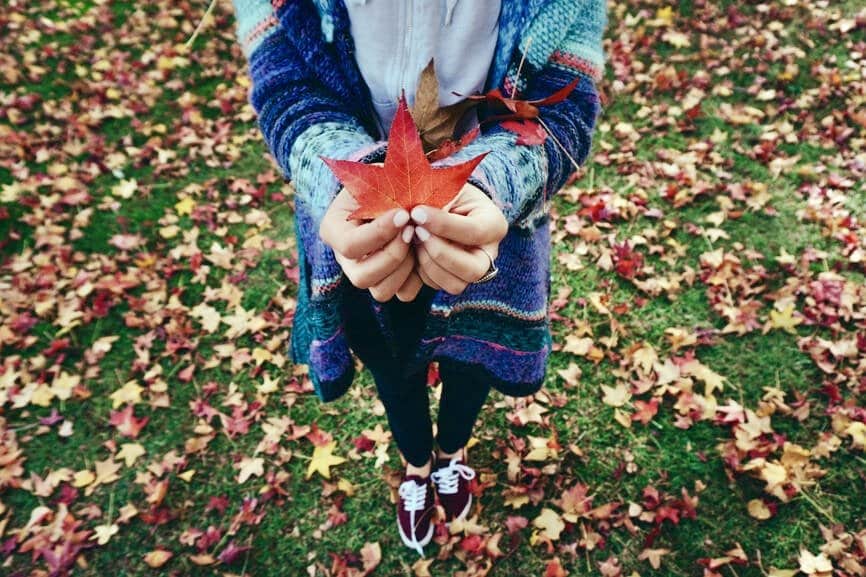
x=374 y=254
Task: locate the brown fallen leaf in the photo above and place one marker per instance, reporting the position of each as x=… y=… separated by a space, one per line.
x=435 y=124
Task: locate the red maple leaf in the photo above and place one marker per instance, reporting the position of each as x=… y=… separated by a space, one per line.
x=126 y=422
x=525 y=109
x=407 y=179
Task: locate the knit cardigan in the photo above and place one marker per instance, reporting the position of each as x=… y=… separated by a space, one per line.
x=311 y=101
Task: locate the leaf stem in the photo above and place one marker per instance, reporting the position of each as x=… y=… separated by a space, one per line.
x=200 y=24
x=818 y=507
x=520 y=66
x=558 y=143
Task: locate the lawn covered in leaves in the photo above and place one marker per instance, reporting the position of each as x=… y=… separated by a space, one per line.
x=704 y=412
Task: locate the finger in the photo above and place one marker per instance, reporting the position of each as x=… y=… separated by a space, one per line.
x=410 y=288
x=372 y=269
x=427 y=280
x=481 y=225
x=371 y=236
x=447 y=281
x=386 y=289
x=467 y=265
x=408 y=233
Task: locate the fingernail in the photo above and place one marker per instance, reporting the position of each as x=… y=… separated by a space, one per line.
x=401 y=217
x=419 y=215
x=422 y=233
x=407 y=234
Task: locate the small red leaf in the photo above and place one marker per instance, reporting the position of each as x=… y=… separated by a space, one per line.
x=529 y=133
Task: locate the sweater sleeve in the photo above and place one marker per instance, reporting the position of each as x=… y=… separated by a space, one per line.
x=519 y=178
x=300 y=115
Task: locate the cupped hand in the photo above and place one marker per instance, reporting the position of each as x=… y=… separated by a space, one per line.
x=374 y=254
x=451 y=239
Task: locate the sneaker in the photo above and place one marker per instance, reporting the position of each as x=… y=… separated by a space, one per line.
x=452 y=485
x=415 y=510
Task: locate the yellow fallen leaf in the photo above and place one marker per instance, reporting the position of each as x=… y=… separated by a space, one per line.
x=268 y=385
x=785 y=319
x=818 y=565
x=539 y=449
x=575 y=345
x=759 y=510
x=130 y=393
x=250 y=466
x=346 y=486
x=516 y=500
x=645 y=357
x=103 y=533
x=261 y=355
x=157 y=558
x=549 y=523
x=130 y=452
x=125 y=188
x=187 y=475
x=322 y=461
x=83 y=478
x=664 y=16
x=184 y=206
x=616 y=396
x=654 y=556
x=42 y=396
x=63 y=385
x=106 y=472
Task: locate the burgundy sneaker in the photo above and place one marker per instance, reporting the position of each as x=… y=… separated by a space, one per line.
x=452 y=485
x=415 y=510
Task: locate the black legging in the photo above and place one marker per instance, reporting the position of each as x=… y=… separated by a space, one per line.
x=405 y=397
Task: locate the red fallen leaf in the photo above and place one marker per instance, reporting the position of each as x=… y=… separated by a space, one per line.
x=627 y=261
x=231 y=553
x=56 y=346
x=525 y=109
x=219 y=504
x=667 y=512
x=555 y=569
x=515 y=523
x=576 y=500
x=336 y=517
x=363 y=444
x=529 y=133
x=472 y=544
x=645 y=410
x=185 y=375
x=318 y=437
x=450 y=146
x=126 y=422
x=157 y=516
x=407 y=178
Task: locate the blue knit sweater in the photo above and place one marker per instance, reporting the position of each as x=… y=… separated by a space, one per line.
x=311 y=101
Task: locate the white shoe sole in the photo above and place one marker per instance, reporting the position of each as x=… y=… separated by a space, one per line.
x=421 y=543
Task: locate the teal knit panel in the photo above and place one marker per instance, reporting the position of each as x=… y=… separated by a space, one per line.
x=255 y=22
x=314 y=182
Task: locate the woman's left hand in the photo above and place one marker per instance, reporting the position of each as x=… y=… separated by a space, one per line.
x=451 y=239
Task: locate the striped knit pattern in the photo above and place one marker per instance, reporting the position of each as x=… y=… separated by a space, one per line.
x=255 y=22
x=311 y=101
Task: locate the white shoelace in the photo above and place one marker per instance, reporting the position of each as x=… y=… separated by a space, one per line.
x=447 y=478
x=414 y=497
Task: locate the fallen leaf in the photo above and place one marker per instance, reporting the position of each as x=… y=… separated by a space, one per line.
x=322 y=461
x=407 y=179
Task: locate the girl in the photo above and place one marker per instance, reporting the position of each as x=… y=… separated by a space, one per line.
x=466 y=286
